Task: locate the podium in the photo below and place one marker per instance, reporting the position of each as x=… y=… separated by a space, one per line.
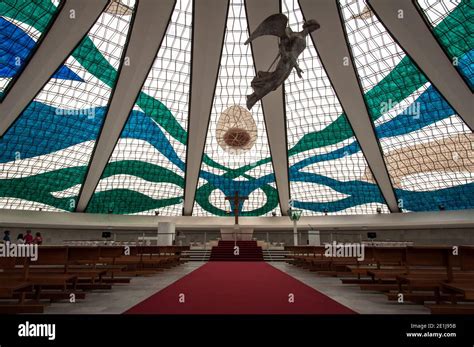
x=238 y=234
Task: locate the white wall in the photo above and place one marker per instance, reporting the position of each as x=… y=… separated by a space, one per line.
x=41 y=219
x=435 y=227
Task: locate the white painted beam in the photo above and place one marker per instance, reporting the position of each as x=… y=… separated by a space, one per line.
x=63 y=36
x=333 y=51
x=405 y=23
x=209 y=22
x=148 y=30
x=265 y=49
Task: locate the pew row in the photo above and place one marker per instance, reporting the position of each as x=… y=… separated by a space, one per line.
x=27 y=285
x=441 y=276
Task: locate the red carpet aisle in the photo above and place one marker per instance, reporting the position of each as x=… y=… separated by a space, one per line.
x=238 y=288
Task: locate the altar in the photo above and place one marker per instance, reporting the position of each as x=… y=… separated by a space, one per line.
x=237 y=234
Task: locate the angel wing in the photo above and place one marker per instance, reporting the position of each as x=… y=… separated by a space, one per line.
x=273 y=25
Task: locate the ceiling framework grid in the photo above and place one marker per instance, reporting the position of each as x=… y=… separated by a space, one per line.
x=44 y=155
x=401 y=18
x=145 y=174
x=381 y=120
x=427 y=147
x=17 y=45
x=328 y=171
x=236 y=163
x=209 y=21
x=457 y=34
x=264 y=51
x=335 y=56
x=148 y=30
x=63 y=36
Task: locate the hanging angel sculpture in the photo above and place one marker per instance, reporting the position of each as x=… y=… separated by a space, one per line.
x=291 y=45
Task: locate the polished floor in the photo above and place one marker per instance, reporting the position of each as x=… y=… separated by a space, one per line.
x=124 y=297
x=350 y=295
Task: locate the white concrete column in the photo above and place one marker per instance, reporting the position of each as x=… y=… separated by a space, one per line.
x=295 y=233
x=166 y=233
x=314 y=238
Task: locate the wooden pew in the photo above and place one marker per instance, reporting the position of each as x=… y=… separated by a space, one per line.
x=420 y=273
x=418 y=266
x=439 y=265
x=460 y=288
x=148 y=260
x=302 y=256
x=60 y=262
x=13 y=290
x=451 y=308
x=115 y=273
x=466 y=289
x=60 y=268
x=162 y=257
x=82 y=261
x=48 y=279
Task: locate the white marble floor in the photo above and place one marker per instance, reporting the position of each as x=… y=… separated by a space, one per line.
x=123 y=296
x=350 y=295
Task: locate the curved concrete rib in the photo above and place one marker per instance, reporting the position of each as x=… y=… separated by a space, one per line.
x=265 y=49
x=149 y=27
x=57 y=44
x=209 y=21
x=404 y=22
x=334 y=53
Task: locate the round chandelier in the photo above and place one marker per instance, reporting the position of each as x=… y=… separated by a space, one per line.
x=236 y=130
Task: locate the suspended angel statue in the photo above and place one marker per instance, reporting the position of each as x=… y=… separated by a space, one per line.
x=291 y=45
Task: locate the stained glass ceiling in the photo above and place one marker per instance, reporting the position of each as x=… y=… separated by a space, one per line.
x=224 y=172
x=328 y=171
x=427 y=148
x=146 y=171
x=44 y=155
x=456 y=32
x=22 y=24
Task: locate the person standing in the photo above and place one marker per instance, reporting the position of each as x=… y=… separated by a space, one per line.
x=6 y=236
x=20 y=240
x=28 y=237
x=38 y=240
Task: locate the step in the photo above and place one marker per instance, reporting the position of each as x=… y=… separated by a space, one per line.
x=451 y=308
x=234 y=256
x=240 y=259
x=248 y=251
x=232 y=253
x=240 y=250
